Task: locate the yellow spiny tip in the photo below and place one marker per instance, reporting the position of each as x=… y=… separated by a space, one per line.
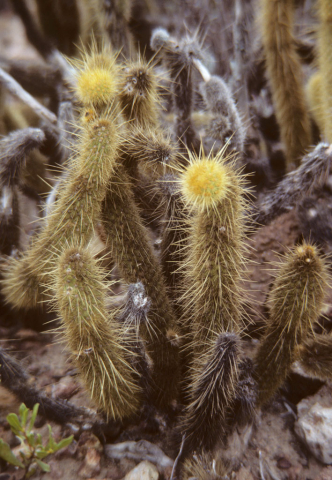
x=96 y=86
x=205 y=182
x=97 y=76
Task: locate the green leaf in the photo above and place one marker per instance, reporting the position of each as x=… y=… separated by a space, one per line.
x=31 y=439
x=41 y=453
x=23 y=411
x=14 y=422
x=22 y=408
x=64 y=443
x=8 y=456
x=43 y=466
x=33 y=416
x=39 y=439
x=31 y=471
x=51 y=445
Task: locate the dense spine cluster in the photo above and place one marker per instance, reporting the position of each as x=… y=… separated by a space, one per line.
x=129 y=245
x=295 y=303
x=315 y=356
x=213 y=191
x=212 y=393
x=93 y=336
x=85 y=187
x=170 y=218
x=325 y=61
x=285 y=77
x=139 y=94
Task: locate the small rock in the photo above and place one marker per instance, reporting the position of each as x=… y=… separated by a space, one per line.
x=65 y=389
x=88 y=440
x=144 y=471
x=314 y=427
x=139 y=451
x=283 y=463
x=91 y=464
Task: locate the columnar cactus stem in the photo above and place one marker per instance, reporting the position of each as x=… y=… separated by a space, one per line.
x=215 y=261
x=325 y=62
x=296 y=300
x=94 y=337
x=130 y=247
x=285 y=76
x=73 y=216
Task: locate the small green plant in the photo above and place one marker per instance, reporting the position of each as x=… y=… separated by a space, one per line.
x=32 y=451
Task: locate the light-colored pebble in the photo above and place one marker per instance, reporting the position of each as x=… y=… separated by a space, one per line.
x=143 y=471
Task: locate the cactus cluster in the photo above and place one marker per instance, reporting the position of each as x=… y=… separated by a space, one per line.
x=136 y=174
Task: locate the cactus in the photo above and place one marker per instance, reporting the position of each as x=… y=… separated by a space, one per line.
x=213 y=191
x=285 y=76
x=324 y=61
x=60 y=23
x=204 y=467
x=85 y=188
x=129 y=245
x=315 y=100
x=315 y=356
x=174 y=237
x=295 y=302
x=97 y=78
x=311 y=174
x=136 y=311
x=16 y=380
x=152 y=150
x=93 y=337
x=179 y=57
x=139 y=94
x=115 y=18
x=14 y=150
x=173 y=222
x=226 y=124
x=212 y=394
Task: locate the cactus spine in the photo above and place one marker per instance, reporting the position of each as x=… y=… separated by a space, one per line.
x=325 y=62
x=79 y=204
x=139 y=94
x=204 y=467
x=315 y=356
x=296 y=300
x=212 y=393
x=97 y=77
x=315 y=100
x=93 y=337
x=213 y=191
x=285 y=76
x=82 y=192
x=130 y=247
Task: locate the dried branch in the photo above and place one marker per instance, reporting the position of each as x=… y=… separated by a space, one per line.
x=15 y=89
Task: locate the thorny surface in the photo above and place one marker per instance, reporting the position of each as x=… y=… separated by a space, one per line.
x=283 y=456
x=274 y=452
